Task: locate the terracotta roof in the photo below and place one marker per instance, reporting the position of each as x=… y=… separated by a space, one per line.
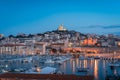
x=17 y=76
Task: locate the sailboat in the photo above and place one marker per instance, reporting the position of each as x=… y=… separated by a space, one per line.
x=49 y=60
x=114 y=63
x=82 y=69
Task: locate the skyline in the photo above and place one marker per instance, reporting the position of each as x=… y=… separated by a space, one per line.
x=37 y=16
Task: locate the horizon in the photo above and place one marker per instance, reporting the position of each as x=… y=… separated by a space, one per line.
x=36 y=16
x=116 y=34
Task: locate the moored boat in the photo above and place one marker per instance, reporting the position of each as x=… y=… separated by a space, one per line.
x=82 y=69
x=49 y=61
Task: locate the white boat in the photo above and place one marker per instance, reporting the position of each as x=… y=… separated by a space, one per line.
x=82 y=69
x=96 y=57
x=48 y=70
x=34 y=70
x=49 y=61
x=114 y=63
x=18 y=70
x=27 y=60
x=59 y=60
x=65 y=58
x=38 y=70
x=42 y=60
x=4 y=71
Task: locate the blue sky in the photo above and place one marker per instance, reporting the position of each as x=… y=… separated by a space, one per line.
x=36 y=16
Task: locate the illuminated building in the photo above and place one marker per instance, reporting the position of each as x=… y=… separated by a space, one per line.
x=40 y=48
x=23 y=48
x=89 y=42
x=11 y=48
x=61 y=28
x=117 y=43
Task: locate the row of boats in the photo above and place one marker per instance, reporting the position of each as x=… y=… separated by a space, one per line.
x=88 y=58
x=49 y=60
x=113 y=63
x=45 y=59
x=59 y=60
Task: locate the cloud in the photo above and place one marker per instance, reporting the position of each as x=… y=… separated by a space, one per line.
x=94 y=26
x=104 y=27
x=111 y=27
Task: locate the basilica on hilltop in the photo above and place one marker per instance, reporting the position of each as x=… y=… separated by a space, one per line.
x=61 y=28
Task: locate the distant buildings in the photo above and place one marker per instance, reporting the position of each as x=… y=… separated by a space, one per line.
x=89 y=42
x=60 y=40
x=27 y=48
x=104 y=44
x=117 y=43
x=1 y=36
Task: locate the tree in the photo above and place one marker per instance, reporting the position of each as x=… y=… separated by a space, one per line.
x=30 y=36
x=54 y=50
x=11 y=36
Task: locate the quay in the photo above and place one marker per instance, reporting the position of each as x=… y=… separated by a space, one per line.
x=112 y=77
x=103 y=56
x=18 y=76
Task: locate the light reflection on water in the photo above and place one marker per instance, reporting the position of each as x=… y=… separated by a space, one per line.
x=98 y=68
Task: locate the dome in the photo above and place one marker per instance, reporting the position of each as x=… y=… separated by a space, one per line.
x=61 y=28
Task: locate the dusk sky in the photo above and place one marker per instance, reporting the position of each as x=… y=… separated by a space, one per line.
x=37 y=16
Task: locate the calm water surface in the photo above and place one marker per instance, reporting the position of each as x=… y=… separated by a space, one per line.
x=98 y=68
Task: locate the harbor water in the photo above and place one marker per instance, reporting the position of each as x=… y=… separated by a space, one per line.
x=99 y=68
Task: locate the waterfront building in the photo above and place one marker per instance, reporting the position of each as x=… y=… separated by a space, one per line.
x=56 y=47
x=29 y=47
x=12 y=48
x=57 y=39
x=40 y=48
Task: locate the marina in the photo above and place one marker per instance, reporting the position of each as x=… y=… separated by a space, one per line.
x=99 y=68
x=59 y=40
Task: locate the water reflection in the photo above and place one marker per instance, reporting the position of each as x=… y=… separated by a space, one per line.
x=115 y=72
x=96 y=69
x=85 y=64
x=73 y=66
x=77 y=62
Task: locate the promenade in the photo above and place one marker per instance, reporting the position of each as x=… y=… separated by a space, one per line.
x=12 y=76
